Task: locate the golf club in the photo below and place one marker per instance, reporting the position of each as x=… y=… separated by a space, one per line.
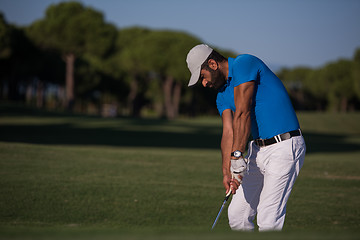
x=222 y=206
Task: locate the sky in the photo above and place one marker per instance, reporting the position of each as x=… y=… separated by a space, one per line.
x=283 y=33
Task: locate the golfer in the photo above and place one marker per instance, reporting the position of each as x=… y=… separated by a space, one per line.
x=252 y=99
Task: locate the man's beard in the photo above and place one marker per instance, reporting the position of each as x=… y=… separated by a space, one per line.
x=218 y=79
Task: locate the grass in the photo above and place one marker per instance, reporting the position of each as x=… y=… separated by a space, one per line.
x=86 y=177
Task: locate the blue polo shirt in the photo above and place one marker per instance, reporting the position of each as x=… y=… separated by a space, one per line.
x=272 y=112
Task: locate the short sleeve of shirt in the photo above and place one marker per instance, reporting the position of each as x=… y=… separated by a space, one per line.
x=245 y=69
x=220 y=103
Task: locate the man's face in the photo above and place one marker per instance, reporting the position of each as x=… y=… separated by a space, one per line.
x=212 y=78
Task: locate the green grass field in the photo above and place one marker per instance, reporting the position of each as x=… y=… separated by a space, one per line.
x=77 y=177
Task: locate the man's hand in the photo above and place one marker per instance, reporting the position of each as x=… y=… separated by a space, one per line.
x=238 y=168
x=230 y=183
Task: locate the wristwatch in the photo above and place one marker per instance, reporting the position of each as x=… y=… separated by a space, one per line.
x=236 y=154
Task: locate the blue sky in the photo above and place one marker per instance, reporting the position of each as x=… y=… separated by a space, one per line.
x=281 y=32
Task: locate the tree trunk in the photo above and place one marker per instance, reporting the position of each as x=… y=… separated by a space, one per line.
x=28 y=94
x=167 y=88
x=172 y=94
x=39 y=94
x=176 y=99
x=343 y=104
x=132 y=96
x=69 y=60
x=13 y=93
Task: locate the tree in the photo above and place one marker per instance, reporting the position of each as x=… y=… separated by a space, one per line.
x=74 y=31
x=128 y=62
x=356 y=72
x=18 y=57
x=5 y=38
x=295 y=80
x=166 y=56
x=341 y=89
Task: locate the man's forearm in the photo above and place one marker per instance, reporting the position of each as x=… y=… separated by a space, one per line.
x=226 y=144
x=242 y=126
x=243 y=95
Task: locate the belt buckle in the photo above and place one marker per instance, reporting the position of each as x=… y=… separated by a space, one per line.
x=260 y=142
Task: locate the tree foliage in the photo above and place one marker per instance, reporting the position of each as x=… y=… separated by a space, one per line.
x=5 y=38
x=334 y=87
x=137 y=71
x=74 y=30
x=69 y=27
x=356 y=72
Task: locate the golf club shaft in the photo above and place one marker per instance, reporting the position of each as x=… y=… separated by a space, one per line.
x=222 y=206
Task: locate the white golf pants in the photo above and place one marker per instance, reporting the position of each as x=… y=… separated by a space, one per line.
x=267 y=186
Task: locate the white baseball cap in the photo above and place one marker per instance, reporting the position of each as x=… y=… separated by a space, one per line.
x=195 y=58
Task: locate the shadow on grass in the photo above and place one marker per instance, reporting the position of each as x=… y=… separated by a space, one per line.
x=67 y=134
x=196 y=136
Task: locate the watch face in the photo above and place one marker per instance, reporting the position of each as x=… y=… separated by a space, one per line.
x=237 y=154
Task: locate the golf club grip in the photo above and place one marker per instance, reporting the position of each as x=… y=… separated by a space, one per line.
x=228 y=194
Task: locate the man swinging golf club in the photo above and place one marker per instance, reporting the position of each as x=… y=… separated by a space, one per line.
x=251 y=98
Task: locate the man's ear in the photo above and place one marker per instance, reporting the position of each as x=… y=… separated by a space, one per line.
x=213 y=64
